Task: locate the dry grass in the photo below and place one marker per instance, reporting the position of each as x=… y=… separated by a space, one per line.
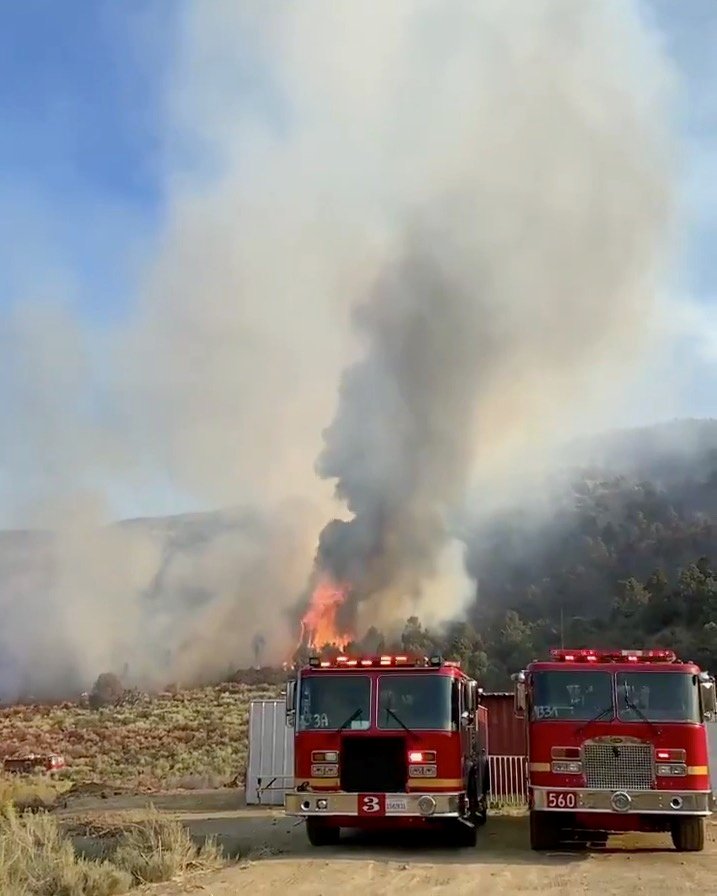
x=196 y=738
x=158 y=848
x=38 y=859
x=31 y=792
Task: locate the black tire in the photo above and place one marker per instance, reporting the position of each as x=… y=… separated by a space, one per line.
x=464 y=836
x=320 y=833
x=688 y=834
x=477 y=801
x=544 y=831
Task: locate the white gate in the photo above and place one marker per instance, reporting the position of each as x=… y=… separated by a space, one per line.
x=712 y=747
x=508 y=780
x=270 y=766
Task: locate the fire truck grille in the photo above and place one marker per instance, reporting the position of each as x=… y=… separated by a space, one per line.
x=618 y=766
x=373 y=764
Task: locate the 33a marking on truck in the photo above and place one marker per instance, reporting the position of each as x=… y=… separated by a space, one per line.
x=546 y=712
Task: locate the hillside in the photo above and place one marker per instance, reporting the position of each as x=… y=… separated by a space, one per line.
x=621 y=556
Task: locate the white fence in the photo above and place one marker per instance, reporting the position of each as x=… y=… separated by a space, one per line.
x=712 y=746
x=508 y=780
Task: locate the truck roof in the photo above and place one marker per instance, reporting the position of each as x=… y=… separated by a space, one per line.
x=404 y=663
x=653 y=660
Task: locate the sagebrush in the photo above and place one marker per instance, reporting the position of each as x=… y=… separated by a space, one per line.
x=38 y=859
x=189 y=739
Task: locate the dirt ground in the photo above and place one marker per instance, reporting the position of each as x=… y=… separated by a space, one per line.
x=272 y=856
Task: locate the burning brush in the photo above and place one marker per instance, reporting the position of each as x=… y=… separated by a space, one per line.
x=320 y=624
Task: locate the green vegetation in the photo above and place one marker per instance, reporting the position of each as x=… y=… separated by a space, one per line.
x=195 y=738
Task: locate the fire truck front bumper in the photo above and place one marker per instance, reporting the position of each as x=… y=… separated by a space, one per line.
x=366 y=806
x=656 y=802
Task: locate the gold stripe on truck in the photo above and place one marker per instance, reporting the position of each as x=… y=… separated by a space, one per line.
x=316 y=782
x=435 y=783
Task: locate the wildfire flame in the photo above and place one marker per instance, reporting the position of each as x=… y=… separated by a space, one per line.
x=318 y=625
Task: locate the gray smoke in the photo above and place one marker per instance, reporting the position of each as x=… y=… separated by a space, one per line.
x=521 y=280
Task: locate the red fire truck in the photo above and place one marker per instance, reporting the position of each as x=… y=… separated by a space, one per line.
x=387 y=742
x=616 y=742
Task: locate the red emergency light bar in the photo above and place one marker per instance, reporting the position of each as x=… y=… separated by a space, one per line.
x=342 y=662
x=613 y=656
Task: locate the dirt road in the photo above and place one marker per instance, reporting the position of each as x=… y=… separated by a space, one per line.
x=273 y=857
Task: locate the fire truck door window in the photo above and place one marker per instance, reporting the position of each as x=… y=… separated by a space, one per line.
x=419 y=701
x=328 y=701
x=570 y=695
x=657 y=696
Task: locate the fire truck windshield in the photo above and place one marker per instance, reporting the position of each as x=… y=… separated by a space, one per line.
x=330 y=701
x=416 y=702
x=657 y=697
x=571 y=695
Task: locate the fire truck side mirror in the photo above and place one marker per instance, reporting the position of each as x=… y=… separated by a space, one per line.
x=519 y=694
x=473 y=699
x=708 y=698
x=290 y=702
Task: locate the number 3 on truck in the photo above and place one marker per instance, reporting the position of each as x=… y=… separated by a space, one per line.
x=372 y=804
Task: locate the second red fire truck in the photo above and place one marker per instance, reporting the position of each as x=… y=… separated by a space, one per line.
x=616 y=743
x=387 y=742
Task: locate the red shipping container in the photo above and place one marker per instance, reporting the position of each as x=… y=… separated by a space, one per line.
x=506 y=733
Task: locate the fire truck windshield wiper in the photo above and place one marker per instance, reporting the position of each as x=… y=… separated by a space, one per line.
x=596 y=718
x=636 y=709
x=354 y=715
x=403 y=725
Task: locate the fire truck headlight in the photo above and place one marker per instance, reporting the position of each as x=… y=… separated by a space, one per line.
x=671 y=770
x=567 y=768
x=426 y=805
x=324 y=756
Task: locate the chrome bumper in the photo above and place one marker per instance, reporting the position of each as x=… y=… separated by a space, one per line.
x=396 y=805
x=657 y=802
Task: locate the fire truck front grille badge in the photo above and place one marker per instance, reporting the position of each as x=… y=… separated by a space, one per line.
x=620 y=801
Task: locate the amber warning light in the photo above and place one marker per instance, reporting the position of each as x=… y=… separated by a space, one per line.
x=613 y=656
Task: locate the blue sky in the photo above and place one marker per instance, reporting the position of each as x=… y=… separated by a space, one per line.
x=82 y=92
x=81 y=105
x=84 y=88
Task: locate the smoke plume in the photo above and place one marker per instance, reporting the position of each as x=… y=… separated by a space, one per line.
x=453 y=211
x=526 y=233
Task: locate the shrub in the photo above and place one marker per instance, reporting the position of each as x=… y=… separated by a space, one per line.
x=159 y=848
x=37 y=860
x=107 y=691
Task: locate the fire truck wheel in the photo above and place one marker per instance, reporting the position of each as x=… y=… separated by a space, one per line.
x=320 y=833
x=688 y=834
x=544 y=832
x=464 y=836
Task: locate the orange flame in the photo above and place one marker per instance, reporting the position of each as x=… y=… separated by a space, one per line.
x=318 y=625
